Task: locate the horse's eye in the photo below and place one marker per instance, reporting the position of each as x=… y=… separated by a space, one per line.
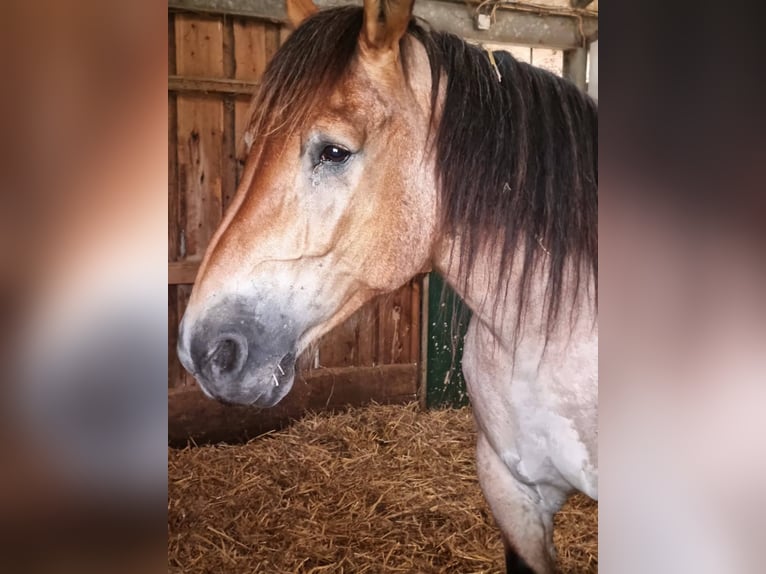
x=334 y=154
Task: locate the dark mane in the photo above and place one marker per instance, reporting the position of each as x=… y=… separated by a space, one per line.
x=516 y=160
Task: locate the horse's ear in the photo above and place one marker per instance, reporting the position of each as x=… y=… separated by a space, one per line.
x=298 y=11
x=385 y=22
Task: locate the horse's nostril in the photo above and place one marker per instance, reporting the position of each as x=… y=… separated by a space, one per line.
x=227 y=358
x=225 y=355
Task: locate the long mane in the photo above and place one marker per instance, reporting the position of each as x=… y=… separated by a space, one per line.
x=516 y=158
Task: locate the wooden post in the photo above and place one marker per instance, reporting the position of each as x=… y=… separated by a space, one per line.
x=422 y=388
x=575 y=65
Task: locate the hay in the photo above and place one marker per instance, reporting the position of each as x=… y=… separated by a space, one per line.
x=375 y=489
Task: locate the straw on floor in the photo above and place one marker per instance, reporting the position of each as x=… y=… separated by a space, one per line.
x=374 y=489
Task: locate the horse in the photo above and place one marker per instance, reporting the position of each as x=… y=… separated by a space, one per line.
x=379 y=149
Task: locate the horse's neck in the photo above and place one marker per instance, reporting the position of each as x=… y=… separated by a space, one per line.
x=498 y=309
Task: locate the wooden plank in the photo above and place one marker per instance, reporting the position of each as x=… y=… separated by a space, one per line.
x=395 y=327
x=273 y=10
x=171 y=43
x=251 y=59
x=173 y=199
x=339 y=347
x=199 y=46
x=199 y=52
x=182 y=272
x=211 y=85
x=273 y=40
x=367 y=335
x=191 y=415
x=250 y=49
x=255 y=43
x=230 y=167
x=200 y=140
x=174 y=214
x=230 y=175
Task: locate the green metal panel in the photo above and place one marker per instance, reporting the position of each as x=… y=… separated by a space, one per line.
x=447 y=323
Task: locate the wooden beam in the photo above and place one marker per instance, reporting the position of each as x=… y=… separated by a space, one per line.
x=211 y=85
x=193 y=416
x=182 y=272
x=271 y=10
x=511 y=25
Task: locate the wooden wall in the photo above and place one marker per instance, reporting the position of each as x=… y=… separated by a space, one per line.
x=214 y=64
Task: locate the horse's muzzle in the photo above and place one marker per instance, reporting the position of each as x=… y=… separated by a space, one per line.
x=238 y=354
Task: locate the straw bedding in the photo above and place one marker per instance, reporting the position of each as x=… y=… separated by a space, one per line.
x=373 y=489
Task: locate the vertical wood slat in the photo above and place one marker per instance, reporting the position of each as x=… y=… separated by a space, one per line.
x=199 y=51
x=273 y=40
x=200 y=128
x=250 y=49
x=199 y=46
x=230 y=167
x=249 y=52
x=173 y=200
x=394 y=328
x=339 y=347
x=174 y=367
x=367 y=335
x=381 y=325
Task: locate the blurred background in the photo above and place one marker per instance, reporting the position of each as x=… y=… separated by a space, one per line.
x=82 y=244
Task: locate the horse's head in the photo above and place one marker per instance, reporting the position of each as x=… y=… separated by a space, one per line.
x=337 y=202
